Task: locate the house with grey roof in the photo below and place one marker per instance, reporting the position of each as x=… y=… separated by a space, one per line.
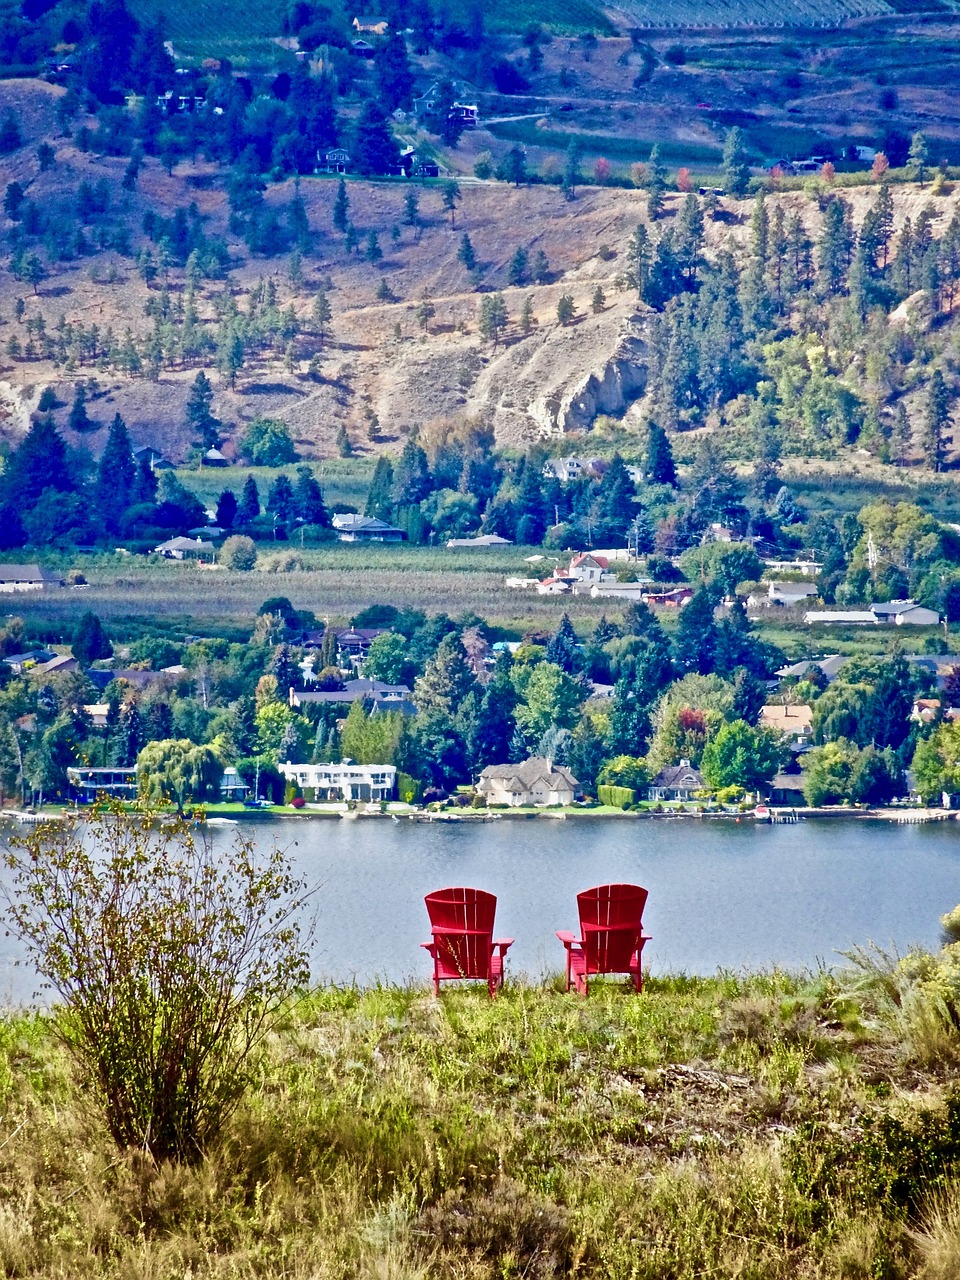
x=27 y=577
x=676 y=782
x=535 y=781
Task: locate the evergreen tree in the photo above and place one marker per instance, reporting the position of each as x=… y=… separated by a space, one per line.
x=918 y=157
x=116 y=473
x=249 y=507
x=696 y=635
x=638 y=255
x=736 y=170
x=489 y=731
x=936 y=419
x=465 y=253
x=281 y=501
x=308 y=497
x=540 y=269
x=446 y=680
x=518 y=268
x=374 y=148
x=532 y=515
x=900 y=436
x=38 y=463
x=341 y=208
x=629 y=728
x=659 y=466
x=656 y=183
x=227 y=509
x=834 y=247
x=90 y=641
x=205 y=427
x=379 y=496
x=78 y=420
x=616 y=506
x=586 y=754
x=564 y=649
x=412 y=481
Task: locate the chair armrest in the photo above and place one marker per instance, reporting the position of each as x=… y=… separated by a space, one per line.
x=429 y=946
x=567 y=938
x=502 y=943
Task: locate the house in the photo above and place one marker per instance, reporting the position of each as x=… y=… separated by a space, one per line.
x=676 y=782
x=371 y=26
x=830 y=667
x=206 y=531
x=335 y=161
x=905 y=613
x=345 y=781
x=27 y=577
x=152 y=458
x=86 y=784
x=787 y=789
x=532 y=782
x=184 y=548
x=804 y=564
x=563 y=469
x=356 y=528
x=232 y=786
x=718 y=533
x=926 y=710
x=840 y=618
x=621 y=590
x=363 y=48
x=784 y=594
x=553 y=587
x=384 y=697
x=521 y=584
x=466 y=113
x=98 y=713
x=585 y=567
x=482 y=540
x=214 y=458
x=673 y=599
x=353 y=643
x=62 y=662
x=794 y=722
x=20 y=662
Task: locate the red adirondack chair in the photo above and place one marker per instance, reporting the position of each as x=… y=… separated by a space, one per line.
x=463 y=945
x=612 y=937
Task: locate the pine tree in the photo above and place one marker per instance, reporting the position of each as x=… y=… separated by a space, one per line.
x=736 y=170
x=616 y=506
x=205 y=427
x=564 y=650
x=465 y=253
x=90 y=641
x=78 y=419
x=116 y=472
x=566 y=309
x=659 y=466
x=518 y=268
x=227 y=508
x=281 y=502
x=343 y=442
x=249 y=507
x=40 y=462
x=411 y=208
x=919 y=157
x=341 y=208
x=532 y=516
x=540 y=268
x=411 y=479
x=308 y=497
x=322 y=315
x=900 y=436
x=446 y=680
x=379 y=503
x=834 y=247
x=527 y=319
x=598 y=301
x=696 y=634
x=936 y=419
x=656 y=183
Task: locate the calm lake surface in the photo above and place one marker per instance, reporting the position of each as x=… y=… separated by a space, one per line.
x=722 y=894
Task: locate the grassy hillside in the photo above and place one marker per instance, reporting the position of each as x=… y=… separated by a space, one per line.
x=764 y=1126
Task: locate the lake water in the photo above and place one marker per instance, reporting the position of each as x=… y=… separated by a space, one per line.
x=723 y=895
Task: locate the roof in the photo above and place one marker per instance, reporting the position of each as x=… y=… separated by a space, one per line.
x=392 y=696
x=483 y=540
x=854 y=617
x=678 y=775
x=799 y=589
x=28 y=573
x=586 y=557
x=798 y=719
x=62 y=662
x=527 y=773
x=350 y=522
x=830 y=666
x=185 y=544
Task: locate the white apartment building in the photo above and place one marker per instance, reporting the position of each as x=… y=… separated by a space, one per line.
x=345 y=781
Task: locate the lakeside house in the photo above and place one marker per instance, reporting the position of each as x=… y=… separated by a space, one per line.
x=344 y=781
x=532 y=782
x=87 y=783
x=676 y=782
x=27 y=577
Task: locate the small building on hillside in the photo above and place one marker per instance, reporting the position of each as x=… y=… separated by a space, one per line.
x=334 y=161
x=535 y=781
x=367 y=26
x=351 y=527
x=27 y=577
x=340 y=782
x=563 y=469
x=676 y=782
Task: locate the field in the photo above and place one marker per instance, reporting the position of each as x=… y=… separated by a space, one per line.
x=762 y=1126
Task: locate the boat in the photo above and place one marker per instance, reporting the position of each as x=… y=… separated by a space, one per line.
x=222 y=822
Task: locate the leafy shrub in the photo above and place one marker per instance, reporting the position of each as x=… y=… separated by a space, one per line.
x=617 y=797
x=172 y=964
x=238 y=552
x=267 y=443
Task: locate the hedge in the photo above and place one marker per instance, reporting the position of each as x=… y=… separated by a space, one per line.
x=616 y=796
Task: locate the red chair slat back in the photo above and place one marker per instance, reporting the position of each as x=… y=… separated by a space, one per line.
x=462 y=923
x=611 y=917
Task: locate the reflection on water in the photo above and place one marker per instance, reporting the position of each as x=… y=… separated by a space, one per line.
x=722 y=894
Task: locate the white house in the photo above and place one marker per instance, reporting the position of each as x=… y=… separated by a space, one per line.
x=181 y=548
x=346 y=781
x=481 y=540
x=785 y=594
x=564 y=469
x=589 y=568
x=905 y=613
x=553 y=587
x=621 y=590
x=27 y=577
x=804 y=564
x=351 y=527
x=532 y=782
